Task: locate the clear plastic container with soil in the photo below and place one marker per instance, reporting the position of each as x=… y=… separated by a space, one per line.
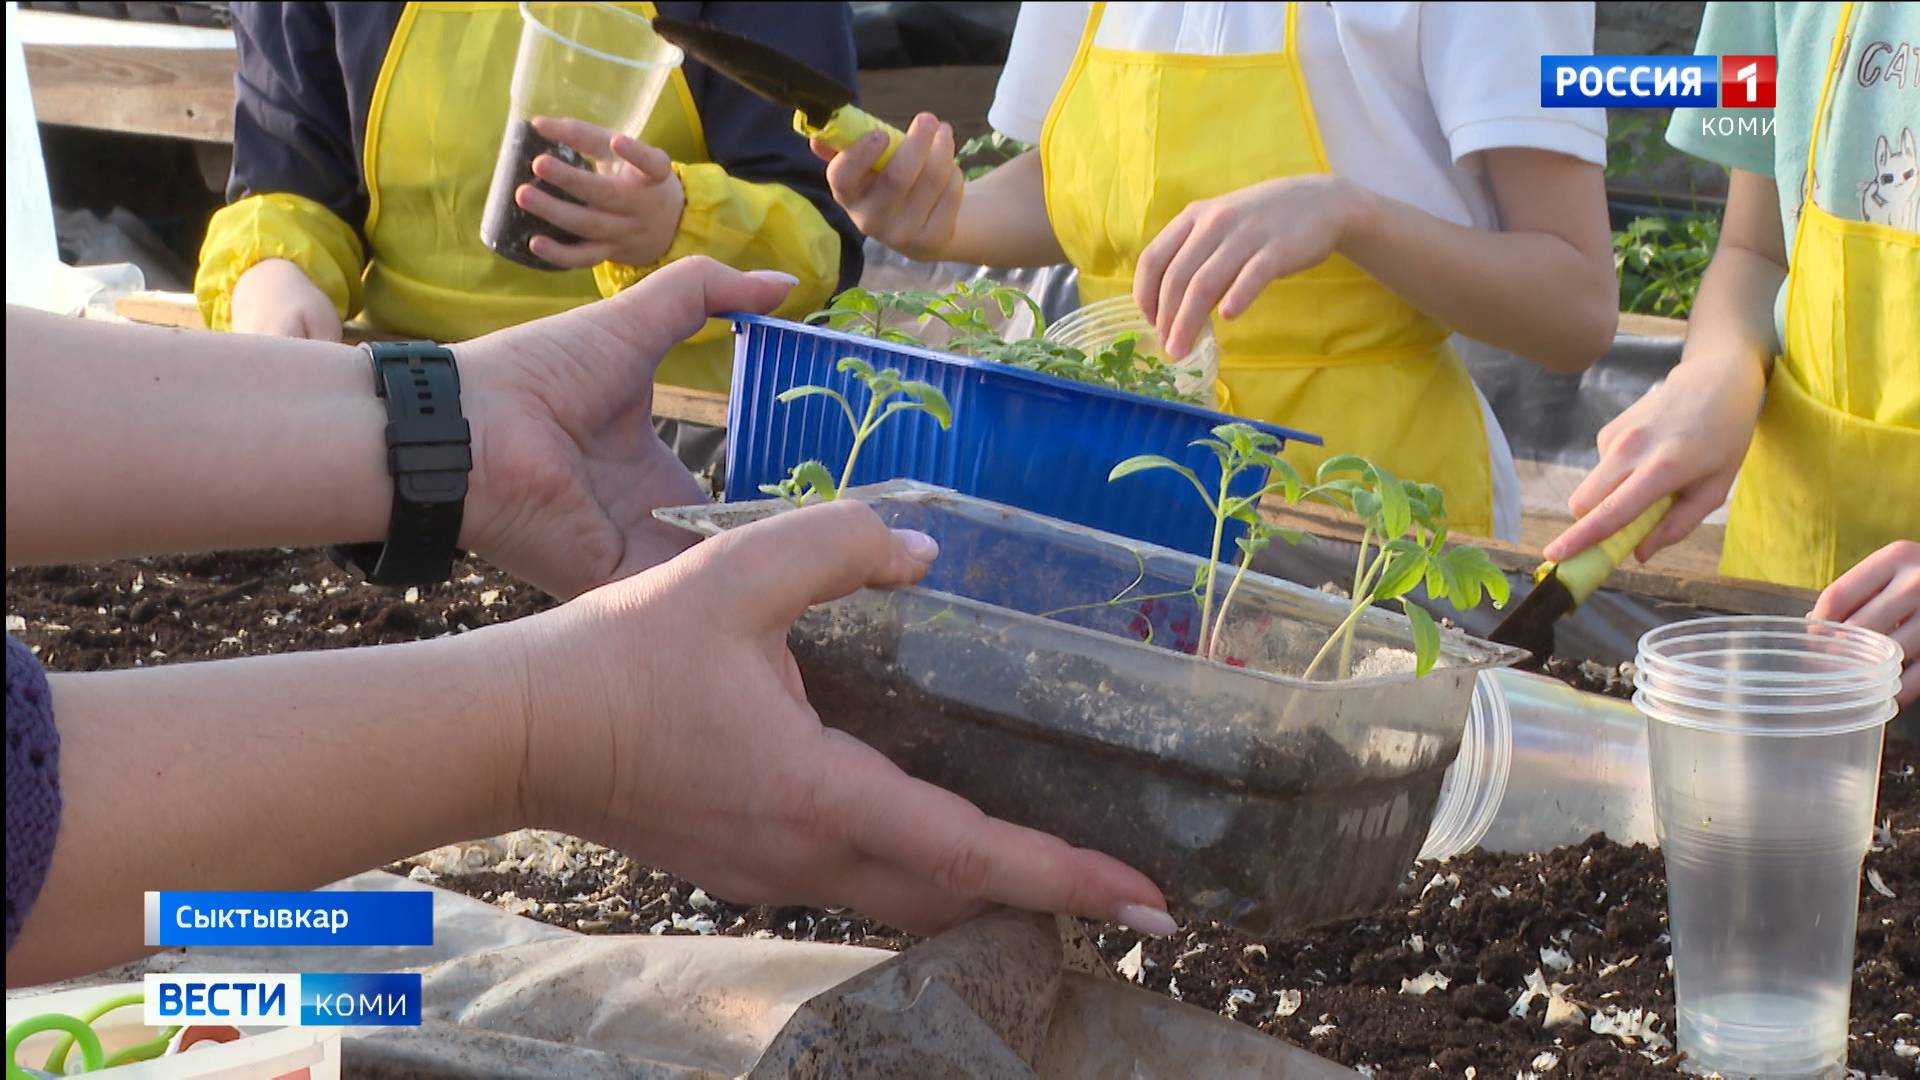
x=1013 y=677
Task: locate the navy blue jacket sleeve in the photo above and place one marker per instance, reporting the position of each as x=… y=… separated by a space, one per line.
x=752 y=138
x=305 y=78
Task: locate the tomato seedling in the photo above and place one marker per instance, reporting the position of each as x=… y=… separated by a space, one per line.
x=887 y=395
x=966 y=310
x=1403 y=542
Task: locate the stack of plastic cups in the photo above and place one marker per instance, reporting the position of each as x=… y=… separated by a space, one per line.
x=1764 y=742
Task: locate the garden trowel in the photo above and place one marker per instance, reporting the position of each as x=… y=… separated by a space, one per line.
x=822 y=108
x=1558 y=588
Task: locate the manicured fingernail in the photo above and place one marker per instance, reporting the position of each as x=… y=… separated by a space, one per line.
x=922 y=547
x=1145 y=920
x=780 y=276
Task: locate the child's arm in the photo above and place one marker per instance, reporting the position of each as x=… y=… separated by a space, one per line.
x=1687 y=436
x=1542 y=287
x=285 y=256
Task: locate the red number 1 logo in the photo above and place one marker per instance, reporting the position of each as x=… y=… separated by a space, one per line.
x=1746 y=82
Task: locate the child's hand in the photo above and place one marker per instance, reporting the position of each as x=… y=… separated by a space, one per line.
x=633 y=203
x=912 y=204
x=1685 y=438
x=274 y=296
x=1883 y=593
x=1222 y=252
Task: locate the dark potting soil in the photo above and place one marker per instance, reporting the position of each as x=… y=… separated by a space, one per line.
x=1225 y=816
x=1597 y=908
x=1592 y=677
x=504 y=226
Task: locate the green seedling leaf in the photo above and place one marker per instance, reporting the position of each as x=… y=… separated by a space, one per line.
x=798 y=392
x=928 y=397
x=1245 y=510
x=1281 y=478
x=1426 y=638
x=1406 y=567
x=814 y=479
x=1365 y=503
x=1149 y=462
x=859 y=368
x=1343 y=463
x=1146 y=462
x=1472 y=563
x=1396 y=516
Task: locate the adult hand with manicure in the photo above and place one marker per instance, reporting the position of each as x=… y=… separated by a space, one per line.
x=698 y=752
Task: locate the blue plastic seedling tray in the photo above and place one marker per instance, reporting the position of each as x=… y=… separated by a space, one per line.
x=1037 y=442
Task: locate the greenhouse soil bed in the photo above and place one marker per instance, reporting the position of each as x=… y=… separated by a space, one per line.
x=1589 y=918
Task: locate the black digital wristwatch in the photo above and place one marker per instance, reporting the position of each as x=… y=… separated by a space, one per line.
x=429 y=454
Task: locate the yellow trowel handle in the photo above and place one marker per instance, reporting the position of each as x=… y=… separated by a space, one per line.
x=848 y=126
x=1583 y=573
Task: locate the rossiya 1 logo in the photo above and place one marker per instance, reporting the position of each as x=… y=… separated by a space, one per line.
x=1657 y=82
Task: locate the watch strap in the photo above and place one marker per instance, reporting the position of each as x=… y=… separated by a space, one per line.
x=429 y=454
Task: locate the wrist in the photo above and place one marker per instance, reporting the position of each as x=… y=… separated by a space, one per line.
x=650 y=246
x=562 y=729
x=1742 y=372
x=496 y=662
x=1357 y=213
x=478 y=403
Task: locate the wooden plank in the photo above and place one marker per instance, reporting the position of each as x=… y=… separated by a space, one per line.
x=179 y=310
x=188 y=93
x=184 y=93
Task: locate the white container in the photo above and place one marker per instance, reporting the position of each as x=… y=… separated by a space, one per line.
x=1764 y=737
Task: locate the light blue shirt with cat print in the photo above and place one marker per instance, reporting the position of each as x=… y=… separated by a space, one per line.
x=1869 y=158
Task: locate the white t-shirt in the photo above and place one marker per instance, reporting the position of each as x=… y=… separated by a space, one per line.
x=1404 y=95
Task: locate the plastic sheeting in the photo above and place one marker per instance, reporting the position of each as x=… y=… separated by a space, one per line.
x=1007 y=995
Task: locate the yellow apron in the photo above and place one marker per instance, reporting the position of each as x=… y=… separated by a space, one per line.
x=1833 y=473
x=429 y=161
x=1134 y=137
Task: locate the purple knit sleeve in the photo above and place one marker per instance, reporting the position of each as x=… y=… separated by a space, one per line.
x=33 y=783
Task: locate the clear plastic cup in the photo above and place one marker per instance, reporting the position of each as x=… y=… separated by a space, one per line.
x=596 y=62
x=1542 y=765
x=1100 y=324
x=1764 y=738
